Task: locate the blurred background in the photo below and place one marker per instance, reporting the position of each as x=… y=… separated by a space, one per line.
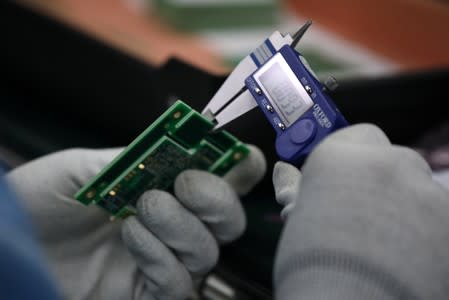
x=95 y=73
x=348 y=36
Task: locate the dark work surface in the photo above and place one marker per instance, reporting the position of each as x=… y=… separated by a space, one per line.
x=61 y=89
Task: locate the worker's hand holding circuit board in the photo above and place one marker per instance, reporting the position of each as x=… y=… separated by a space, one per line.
x=179 y=139
x=174 y=236
x=275 y=77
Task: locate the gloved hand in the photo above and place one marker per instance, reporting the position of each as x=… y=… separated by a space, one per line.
x=369 y=223
x=157 y=254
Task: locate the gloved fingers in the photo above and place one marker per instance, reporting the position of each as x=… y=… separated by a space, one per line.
x=245 y=175
x=46 y=187
x=287 y=181
x=213 y=201
x=67 y=170
x=285 y=212
x=367 y=137
x=366 y=134
x=85 y=164
x=179 y=230
x=409 y=158
x=355 y=147
x=166 y=277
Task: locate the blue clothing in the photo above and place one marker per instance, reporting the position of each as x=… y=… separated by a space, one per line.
x=22 y=271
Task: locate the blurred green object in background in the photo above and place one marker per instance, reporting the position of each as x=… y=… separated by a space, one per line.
x=319 y=62
x=194 y=15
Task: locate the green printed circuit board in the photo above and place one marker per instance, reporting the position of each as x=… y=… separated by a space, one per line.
x=179 y=139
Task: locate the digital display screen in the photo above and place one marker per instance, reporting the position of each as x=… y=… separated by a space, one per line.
x=284 y=90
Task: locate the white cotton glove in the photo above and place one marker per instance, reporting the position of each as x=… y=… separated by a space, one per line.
x=368 y=222
x=286 y=181
x=287 y=178
x=159 y=253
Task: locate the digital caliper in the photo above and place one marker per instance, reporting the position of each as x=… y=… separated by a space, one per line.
x=278 y=79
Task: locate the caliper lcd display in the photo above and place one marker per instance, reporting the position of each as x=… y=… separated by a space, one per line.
x=283 y=89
